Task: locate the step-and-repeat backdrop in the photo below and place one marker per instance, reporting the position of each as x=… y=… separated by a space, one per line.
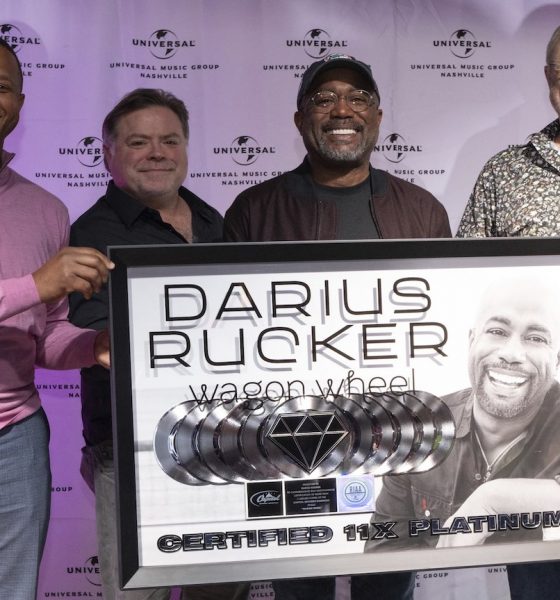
x=459 y=80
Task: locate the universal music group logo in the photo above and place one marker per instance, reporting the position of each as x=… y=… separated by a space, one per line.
x=244 y=150
x=462 y=44
x=316 y=43
x=163 y=43
x=167 y=47
x=257 y=439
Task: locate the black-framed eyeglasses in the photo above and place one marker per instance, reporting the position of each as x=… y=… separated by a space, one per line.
x=357 y=100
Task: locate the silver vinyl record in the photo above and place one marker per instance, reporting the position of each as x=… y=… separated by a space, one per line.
x=184 y=446
x=444 y=430
x=230 y=448
x=251 y=449
x=384 y=435
x=209 y=437
x=405 y=433
x=368 y=434
x=424 y=432
x=307 y=435
x=164 y=447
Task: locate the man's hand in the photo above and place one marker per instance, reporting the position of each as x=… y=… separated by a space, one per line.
x=101 y=349
x=83 y=270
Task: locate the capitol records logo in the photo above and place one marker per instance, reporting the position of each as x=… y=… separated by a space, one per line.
x=265 y=498
x=244 y=150
x=462 y=43
x=88 y=151
x=163 y=43
x=317 y=43
x=395 y=148
x=15 y=37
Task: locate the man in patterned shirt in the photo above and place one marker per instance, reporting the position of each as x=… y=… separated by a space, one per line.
x=517 y=194
x=518 y=191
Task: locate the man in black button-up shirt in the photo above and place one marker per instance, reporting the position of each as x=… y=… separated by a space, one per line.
x=144 y=144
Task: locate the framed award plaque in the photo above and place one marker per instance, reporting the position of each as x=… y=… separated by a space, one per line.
x=324 y=408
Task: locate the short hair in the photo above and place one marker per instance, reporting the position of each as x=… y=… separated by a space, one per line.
x=144 y=98
x=4 y=44
x=550 y=47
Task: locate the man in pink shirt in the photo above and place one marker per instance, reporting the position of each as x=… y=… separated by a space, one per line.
x=37 y=272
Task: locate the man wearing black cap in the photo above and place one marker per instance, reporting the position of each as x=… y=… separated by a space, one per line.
x=335 y=194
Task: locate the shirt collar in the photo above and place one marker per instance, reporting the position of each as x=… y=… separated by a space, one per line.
x=6 y=158
x=541 y=142
x=129 y=209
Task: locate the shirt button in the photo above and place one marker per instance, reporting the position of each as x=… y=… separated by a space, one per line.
x=478 y=476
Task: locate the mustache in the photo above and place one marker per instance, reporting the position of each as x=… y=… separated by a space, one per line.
x=505 y=366
x=342 y=124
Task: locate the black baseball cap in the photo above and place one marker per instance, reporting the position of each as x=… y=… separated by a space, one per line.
x=334 y=61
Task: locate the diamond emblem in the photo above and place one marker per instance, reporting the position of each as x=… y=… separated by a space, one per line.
x=308 y=438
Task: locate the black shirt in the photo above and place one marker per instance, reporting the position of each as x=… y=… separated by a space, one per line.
x=117 y=219
x=354 y=219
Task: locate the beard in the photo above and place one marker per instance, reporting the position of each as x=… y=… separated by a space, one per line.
x=344 y=155
x=501 y=407
x=500 y=404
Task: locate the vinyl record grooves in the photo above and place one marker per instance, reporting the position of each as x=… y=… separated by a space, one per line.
x=230 y=448
x=368 y=434
x=185 y=447
x=405 y=430
x=388 y=437
x=424 y=432
x=163 y=445
x=444 y=430
x=208 y=437
x=251 y=449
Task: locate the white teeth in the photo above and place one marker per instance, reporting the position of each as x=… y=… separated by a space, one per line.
x=504 y=379
x=341 y=131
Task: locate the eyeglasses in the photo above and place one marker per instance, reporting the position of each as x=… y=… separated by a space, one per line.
x=324 y=101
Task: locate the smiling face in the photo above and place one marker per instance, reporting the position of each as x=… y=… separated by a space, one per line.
x=341 y=137
x=513 y=354
x=11 y=98
x=148 y=156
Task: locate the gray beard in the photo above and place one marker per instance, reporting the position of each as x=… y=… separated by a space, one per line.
x=345 y=156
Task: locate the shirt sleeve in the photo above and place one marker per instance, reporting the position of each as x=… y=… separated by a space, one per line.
x=17 y=295
x=479 y=218
x=62 y=345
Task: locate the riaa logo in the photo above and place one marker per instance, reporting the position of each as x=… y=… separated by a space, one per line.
x=355 y=492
